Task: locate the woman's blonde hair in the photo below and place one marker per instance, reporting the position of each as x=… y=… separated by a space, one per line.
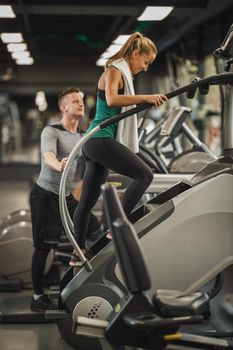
x=136 y=41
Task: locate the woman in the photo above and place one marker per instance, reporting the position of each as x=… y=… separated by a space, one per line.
x=116 y=146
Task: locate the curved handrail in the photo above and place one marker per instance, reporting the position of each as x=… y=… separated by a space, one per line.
x=218 y=79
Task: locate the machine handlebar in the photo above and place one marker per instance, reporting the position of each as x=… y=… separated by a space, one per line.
x=218 y=79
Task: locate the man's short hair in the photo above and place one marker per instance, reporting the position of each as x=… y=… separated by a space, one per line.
x=67 y=91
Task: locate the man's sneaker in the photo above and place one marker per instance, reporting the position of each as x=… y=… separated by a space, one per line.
x=76 y=261
x=42 y=304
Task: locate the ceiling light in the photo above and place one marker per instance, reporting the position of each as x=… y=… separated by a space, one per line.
x=16 y=47
x=6 y=11
x=25 y=61
x=20 y=54
x=155 y=13
x=12 y=38
x=121 y=39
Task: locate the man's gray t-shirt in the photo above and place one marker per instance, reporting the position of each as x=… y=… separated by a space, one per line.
x=56 y=139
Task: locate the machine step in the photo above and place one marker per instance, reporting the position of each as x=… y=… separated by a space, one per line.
x=57 y=314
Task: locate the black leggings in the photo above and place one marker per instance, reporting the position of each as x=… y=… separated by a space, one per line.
x=102 y=154
x=38 y=267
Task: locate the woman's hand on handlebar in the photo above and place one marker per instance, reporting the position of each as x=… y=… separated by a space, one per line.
x=156 y=100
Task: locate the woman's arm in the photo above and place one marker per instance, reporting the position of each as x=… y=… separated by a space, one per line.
x=113 y=81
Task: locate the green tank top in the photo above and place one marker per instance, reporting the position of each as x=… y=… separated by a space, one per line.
x=103 y=112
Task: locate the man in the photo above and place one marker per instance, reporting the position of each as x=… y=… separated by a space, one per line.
x=57 y=141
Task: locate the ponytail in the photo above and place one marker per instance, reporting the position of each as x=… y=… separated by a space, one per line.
x=136 y=41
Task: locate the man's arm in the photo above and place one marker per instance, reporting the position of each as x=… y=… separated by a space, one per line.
x=49 y=149
x=51 y=161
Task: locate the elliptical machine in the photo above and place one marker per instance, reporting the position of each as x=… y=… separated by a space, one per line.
x=176 y=239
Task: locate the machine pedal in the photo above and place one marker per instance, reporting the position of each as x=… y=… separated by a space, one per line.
x=54 y=294
x=57 y=315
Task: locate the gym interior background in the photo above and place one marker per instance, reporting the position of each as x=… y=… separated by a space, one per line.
x=65 y=41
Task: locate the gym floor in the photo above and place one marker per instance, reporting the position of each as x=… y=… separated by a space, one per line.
x=31 y=336
x=14 y=196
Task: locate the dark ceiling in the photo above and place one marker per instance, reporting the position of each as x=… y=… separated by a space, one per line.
x=66 y=38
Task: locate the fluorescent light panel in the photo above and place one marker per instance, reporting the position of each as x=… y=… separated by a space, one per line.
x=6 y=11
x=20 y=54
x=12 y=38
x=25 y=61
x=16 y=47
x=155 y=13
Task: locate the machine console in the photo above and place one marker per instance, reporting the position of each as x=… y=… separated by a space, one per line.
x=174 y=121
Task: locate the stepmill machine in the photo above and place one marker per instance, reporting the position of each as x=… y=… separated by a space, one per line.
x=173 y=128
x=186 y=231
x=168 y=172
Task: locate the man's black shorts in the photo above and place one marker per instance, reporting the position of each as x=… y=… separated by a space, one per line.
x=46 y=221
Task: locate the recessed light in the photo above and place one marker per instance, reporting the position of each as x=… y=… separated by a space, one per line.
x=6 y=11
x=16 y=47
x=25 y=61
x=12 y=38
x=155 y=13
x=20 y=54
